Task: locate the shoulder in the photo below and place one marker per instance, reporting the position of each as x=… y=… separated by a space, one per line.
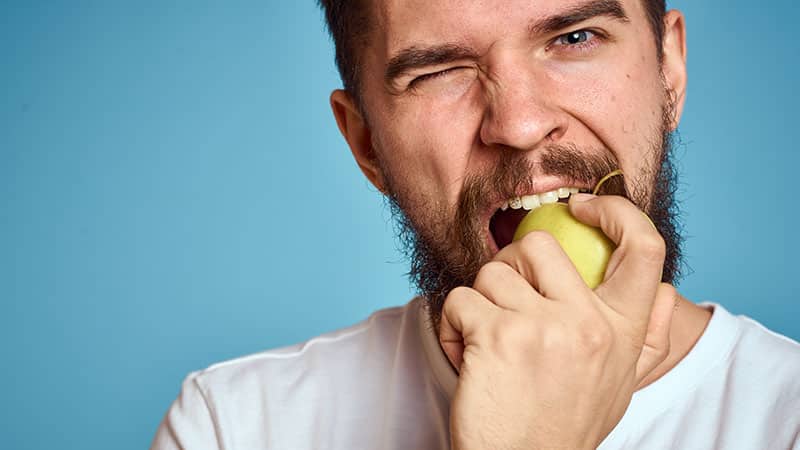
x=330 y=355
x=770 y=360
x=759 y=348
x=328 y=350
x=763 y=368
x=303 y=381
x=762 y=383
x=736 y=388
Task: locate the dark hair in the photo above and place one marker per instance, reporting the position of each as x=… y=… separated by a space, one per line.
x=349 y=24
x=655 y=10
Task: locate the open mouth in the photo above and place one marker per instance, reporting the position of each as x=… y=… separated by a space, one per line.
x=505 y=220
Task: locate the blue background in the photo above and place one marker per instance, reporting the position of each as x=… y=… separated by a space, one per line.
x=174 y=192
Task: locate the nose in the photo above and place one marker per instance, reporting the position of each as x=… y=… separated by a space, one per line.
x=521 y=112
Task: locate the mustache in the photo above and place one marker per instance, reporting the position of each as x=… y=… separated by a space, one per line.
x=512 y=174
x=438 y=265
x=446 y=244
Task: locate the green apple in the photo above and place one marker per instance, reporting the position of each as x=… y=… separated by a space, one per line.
x=587 y=247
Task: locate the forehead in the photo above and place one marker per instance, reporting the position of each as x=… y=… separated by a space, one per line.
x=405 y=23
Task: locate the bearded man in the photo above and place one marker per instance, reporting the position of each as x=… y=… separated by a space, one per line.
x=467 y=114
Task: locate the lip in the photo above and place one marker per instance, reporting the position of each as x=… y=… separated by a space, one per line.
x=493 y=247
x=541 y=184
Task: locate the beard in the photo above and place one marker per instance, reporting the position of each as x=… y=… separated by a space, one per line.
x=446 y=248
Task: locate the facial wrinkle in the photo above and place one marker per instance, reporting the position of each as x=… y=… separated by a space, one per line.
x=447 y=248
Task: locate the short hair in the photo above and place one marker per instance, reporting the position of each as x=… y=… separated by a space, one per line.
x=349 y=26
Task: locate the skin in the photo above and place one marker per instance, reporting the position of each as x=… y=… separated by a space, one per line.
x=544 y=361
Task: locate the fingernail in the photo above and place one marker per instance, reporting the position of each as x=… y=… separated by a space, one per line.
x=581 y=197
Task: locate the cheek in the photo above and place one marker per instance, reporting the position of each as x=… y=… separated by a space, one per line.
x=619 y=104
x=432 y=142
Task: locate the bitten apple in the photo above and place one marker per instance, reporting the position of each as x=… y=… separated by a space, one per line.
x=587 y=247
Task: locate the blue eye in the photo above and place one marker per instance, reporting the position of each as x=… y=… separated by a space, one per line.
x=575 y=38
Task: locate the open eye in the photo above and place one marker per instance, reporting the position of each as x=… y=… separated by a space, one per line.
x=574 y=38
x=579 y=40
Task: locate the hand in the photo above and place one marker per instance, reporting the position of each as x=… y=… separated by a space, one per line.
x=544 y=361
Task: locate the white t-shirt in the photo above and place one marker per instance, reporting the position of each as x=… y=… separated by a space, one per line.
x=386 y=384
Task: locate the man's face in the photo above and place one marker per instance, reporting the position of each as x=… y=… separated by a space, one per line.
x=470 y=103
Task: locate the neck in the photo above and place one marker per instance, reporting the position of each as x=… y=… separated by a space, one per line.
x=688 y=323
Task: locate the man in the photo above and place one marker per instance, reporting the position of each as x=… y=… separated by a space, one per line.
x=466 y=115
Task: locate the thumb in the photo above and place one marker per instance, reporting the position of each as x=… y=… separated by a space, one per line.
x=656 y=342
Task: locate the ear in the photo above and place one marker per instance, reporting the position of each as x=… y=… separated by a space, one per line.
x=357 y=134
x=674 y=62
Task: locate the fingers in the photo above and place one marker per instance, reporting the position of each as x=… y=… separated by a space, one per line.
x=542 y=262
x=635 y=268
x=656 y=343
x=506 y=288
x=464 y=311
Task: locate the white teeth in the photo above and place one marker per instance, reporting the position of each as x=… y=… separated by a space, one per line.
x=548 y=197
x=530 y=202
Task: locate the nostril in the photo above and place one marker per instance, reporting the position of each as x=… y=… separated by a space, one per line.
x=556 y=134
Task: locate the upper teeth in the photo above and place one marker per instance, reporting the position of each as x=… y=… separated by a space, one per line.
x=531 y=202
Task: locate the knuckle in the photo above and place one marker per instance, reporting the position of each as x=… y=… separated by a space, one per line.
x=458 y=293
x=596 y=338
x=554 y=339
x=455 y=297
x=651 y=247
x=491 y=271
x=613 y=202
x=537 y=241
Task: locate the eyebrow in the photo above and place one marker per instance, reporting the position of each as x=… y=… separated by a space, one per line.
x=578 y=14
x=415 y=57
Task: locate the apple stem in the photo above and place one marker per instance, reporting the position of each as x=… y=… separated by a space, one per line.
x=604 y=179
